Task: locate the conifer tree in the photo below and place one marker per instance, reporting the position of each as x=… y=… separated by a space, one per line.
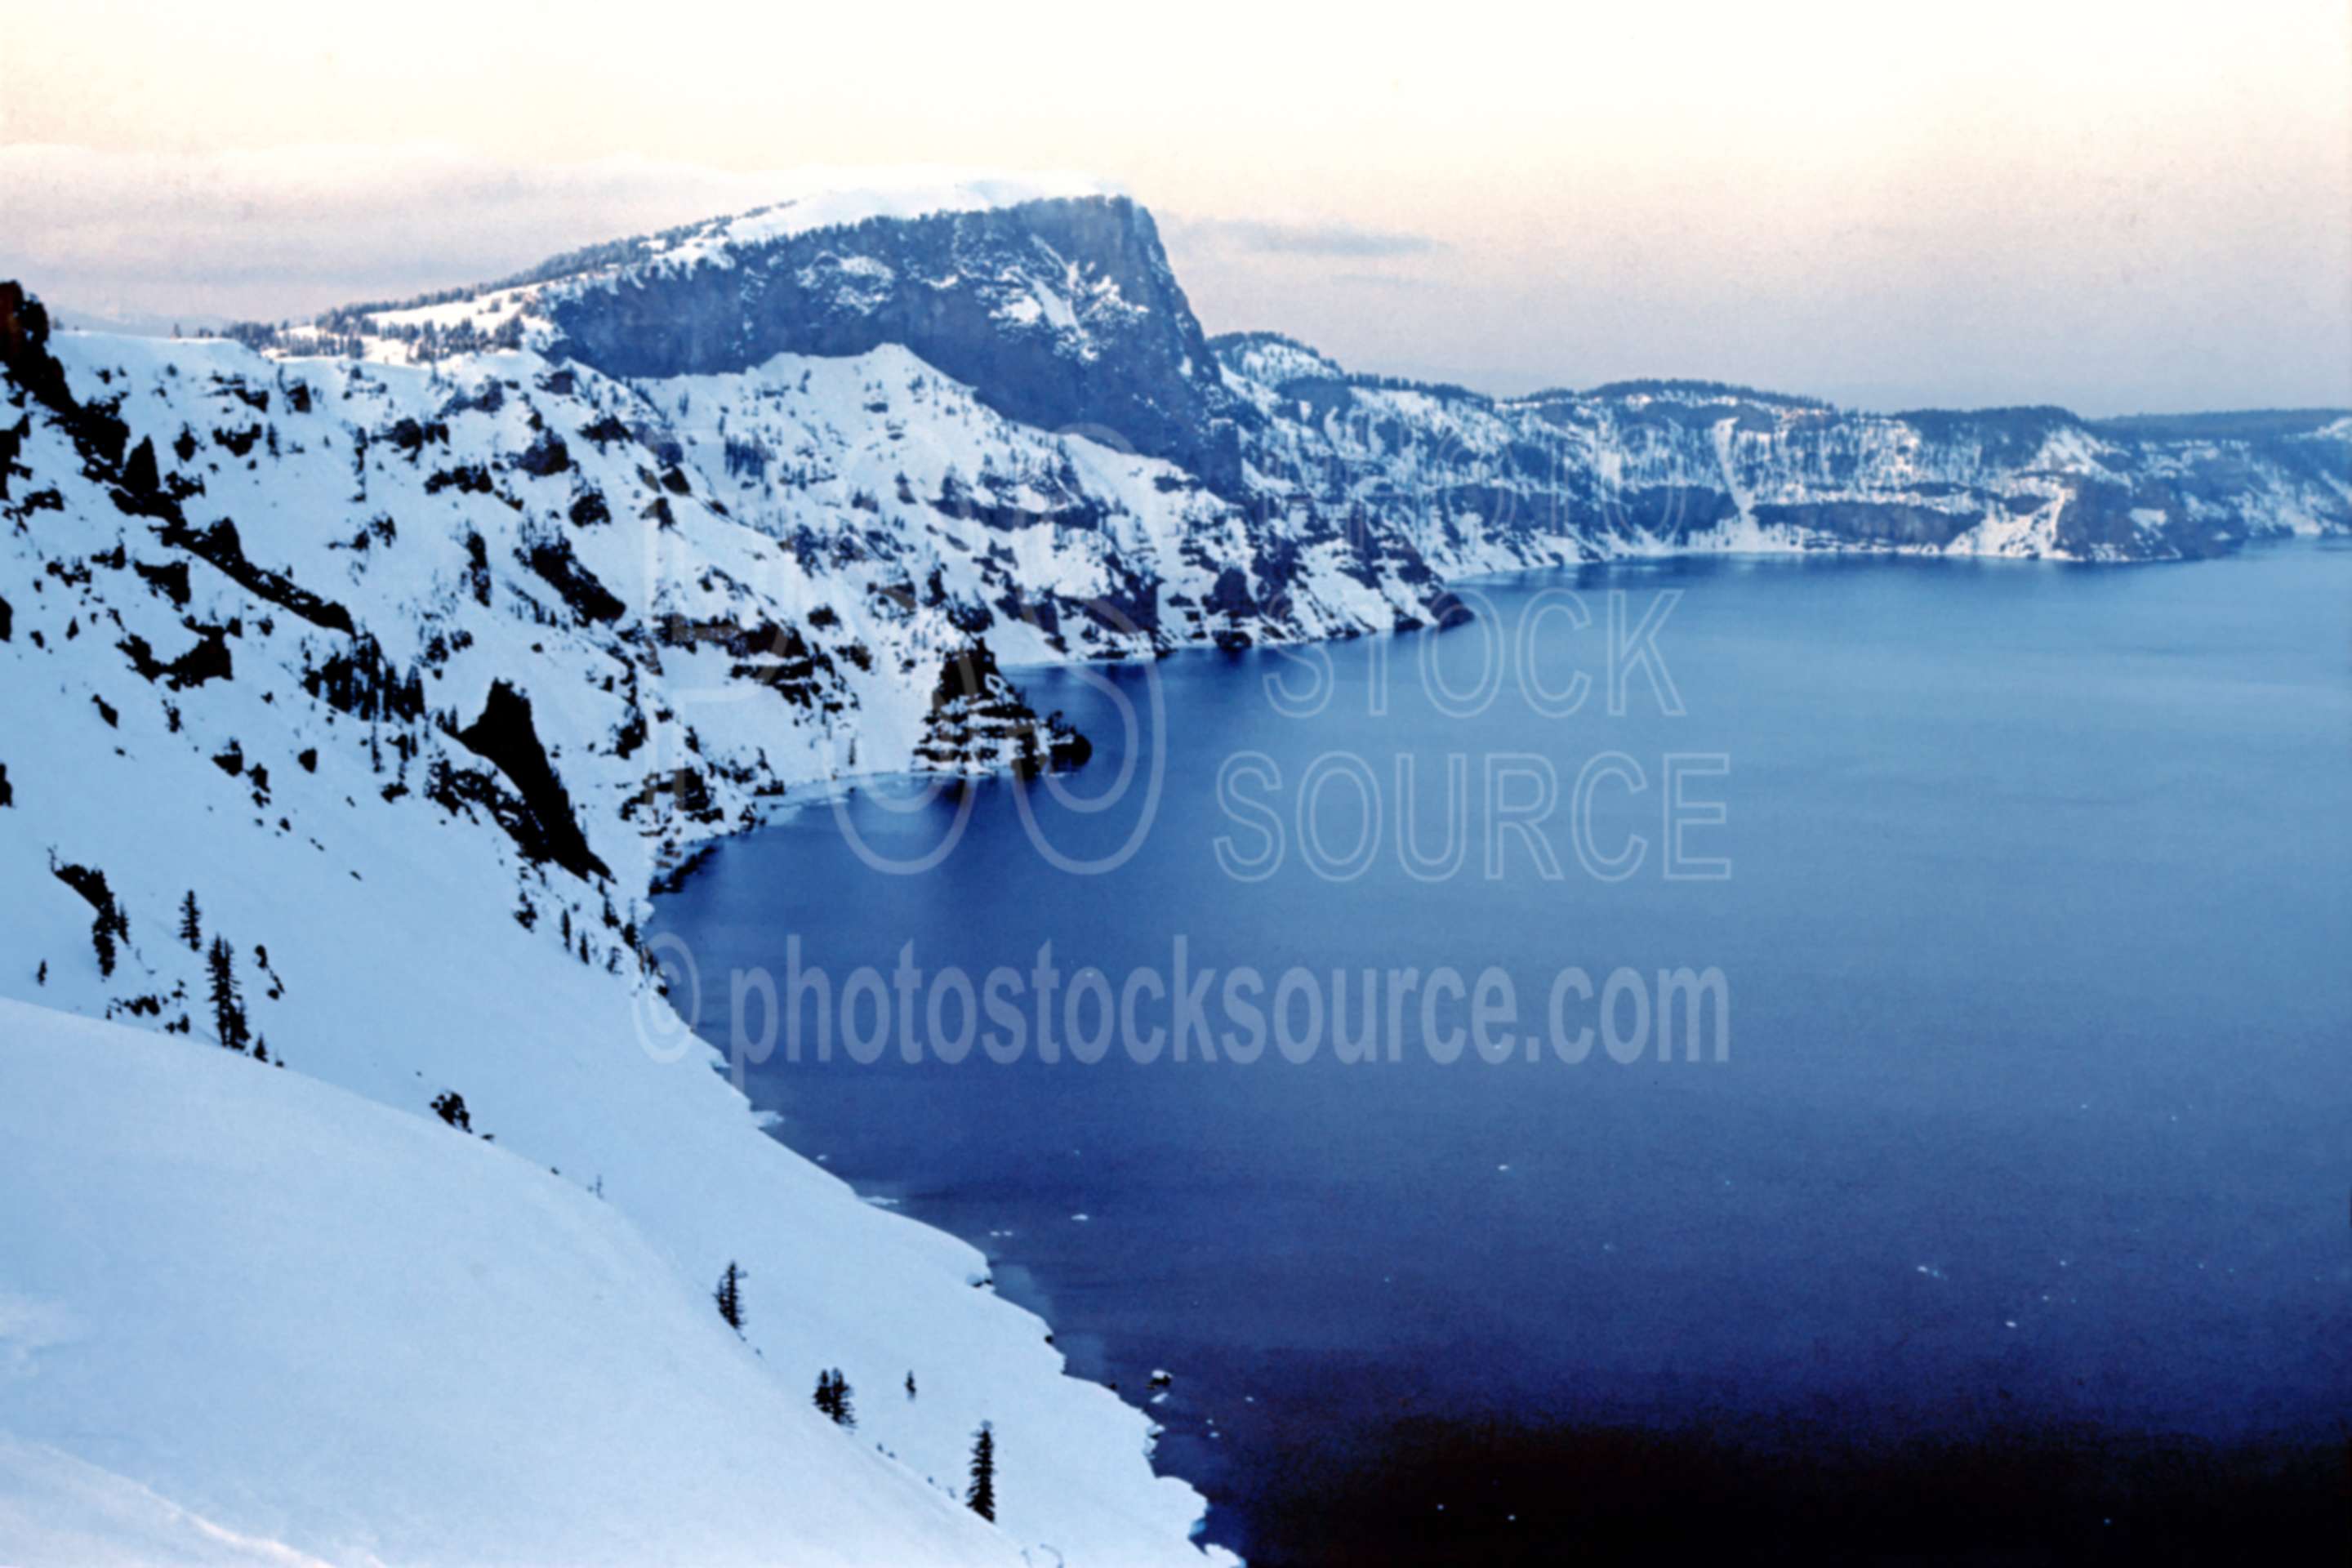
x=228 y=1008
x=192 y=930
x=981 y=1497
x=833 y=1397
x=730 y=1296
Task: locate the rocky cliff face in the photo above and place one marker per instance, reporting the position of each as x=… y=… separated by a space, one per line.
x=1064 y=314
x=1059 y=314
x=1064 y=317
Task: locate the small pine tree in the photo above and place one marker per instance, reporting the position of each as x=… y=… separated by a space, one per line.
x=191 y=930
x=833 y=1397
x=910 y=1386
x=981 y=1497
x=730 y=1296
x=228 y=1008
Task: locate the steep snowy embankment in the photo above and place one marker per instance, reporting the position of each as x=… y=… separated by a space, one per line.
x=248 y=1318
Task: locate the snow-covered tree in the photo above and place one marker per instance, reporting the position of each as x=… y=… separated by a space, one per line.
x=730 y=1296
x=228 y=1004
x=982 y=1496
x=833 y=1397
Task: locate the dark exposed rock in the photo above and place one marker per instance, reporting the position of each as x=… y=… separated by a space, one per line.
x=219 y=545
x=604 y=430
x=208 y=660
x=551 y=558
x=25 y=349
x=410 y=436
x=588 y=510
x=471 y=479
x=170 y=579
x=684 y=790
x=1870 y=522
x=138 y=474
x=980 y=723
x=478 y=568
x=547 y=455
x=97 y=431
x=544 y=827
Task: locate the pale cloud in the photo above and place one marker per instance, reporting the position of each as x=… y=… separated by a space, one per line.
x=294 y=230
x=2116 y=204
x=1322 y=240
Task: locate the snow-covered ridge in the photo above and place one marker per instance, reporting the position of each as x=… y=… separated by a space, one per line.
x=1053 y=302
x=1479 y=484
x=811 y=200
x=841 y=198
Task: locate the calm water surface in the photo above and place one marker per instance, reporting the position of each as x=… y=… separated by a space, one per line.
x=2038 y=1107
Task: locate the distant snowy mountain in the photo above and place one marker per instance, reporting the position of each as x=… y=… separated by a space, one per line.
x=416 y=644
x=1062 y=313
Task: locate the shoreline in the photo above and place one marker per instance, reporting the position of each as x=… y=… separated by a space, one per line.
x=1754 y=1450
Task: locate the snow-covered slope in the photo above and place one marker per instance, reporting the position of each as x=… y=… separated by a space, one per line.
x=248 y=1318
x=416 y=726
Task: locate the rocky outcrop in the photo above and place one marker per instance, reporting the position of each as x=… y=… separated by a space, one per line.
x=978 y=725
x=540 y=819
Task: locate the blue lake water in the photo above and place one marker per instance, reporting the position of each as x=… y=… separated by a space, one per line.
x=2036 y=1113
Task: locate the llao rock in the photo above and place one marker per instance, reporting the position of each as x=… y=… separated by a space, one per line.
x=1061 y=314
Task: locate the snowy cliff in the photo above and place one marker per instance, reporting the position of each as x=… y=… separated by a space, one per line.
x=413 y=680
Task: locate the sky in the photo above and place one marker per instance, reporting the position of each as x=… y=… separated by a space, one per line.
x=2118 y=207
